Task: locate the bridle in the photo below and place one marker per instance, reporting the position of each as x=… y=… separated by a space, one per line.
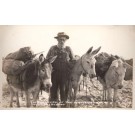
x=83 y=66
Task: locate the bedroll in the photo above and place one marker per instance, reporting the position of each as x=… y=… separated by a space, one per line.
x=12 y=67
x=23 y=54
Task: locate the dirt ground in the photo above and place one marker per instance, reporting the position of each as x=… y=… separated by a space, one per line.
x=87 y=97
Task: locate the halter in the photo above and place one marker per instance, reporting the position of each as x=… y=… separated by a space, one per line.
x=83 y=67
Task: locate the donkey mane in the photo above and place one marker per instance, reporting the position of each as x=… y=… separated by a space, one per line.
x=30 y=74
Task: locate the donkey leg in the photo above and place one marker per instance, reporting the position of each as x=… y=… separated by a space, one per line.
x=104 y=94
x=115 y=97
x=69 y=94
x=74 y=97
x=22 y=96
x=109 y=97
x=70 y=98
x=28 y=103
x=11 y=97
x=35 y=98
x=76 y=86
x=17 y=99
x=75 y=93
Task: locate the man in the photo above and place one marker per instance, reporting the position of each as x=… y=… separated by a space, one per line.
x=60 y=66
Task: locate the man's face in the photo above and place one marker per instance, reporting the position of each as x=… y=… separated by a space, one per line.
x=61 y=41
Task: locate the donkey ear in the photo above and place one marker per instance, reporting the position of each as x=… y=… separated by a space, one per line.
x=89 y=51
x=96 y=51
x=41 y=58
x=52 y=59
x=115 y=64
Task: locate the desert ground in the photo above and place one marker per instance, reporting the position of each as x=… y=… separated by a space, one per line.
x=87 y=97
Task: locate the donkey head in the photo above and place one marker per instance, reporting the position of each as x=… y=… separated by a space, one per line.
x=45 y=71
x=88 y=62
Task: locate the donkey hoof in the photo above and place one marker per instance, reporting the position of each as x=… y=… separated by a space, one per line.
x=18 y=106
x=34 y=105
x=28 y=106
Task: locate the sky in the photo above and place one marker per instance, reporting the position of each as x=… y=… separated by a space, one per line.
x=117 y=40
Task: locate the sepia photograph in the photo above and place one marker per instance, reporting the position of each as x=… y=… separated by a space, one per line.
x=67 y=66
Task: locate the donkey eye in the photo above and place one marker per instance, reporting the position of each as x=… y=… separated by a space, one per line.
x=88 y=62
x=43 y=70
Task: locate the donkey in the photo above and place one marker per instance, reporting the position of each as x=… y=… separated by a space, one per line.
x=111 y=70
x=37 y=74
x=84 y=65
x=114 y=79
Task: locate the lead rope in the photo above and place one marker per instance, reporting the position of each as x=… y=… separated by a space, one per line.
x=86 y=90
x=79 y=87
x=83 y=82
x=21 y=81
x=41 y=87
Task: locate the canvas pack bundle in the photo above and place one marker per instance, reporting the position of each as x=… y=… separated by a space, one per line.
x=13 y=79
x=23 y=54
x=12 y=67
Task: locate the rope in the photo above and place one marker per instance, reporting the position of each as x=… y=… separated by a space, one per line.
x=86 y=90
x=79 y=88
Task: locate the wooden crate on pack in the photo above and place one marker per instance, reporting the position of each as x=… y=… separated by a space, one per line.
x=12 y=67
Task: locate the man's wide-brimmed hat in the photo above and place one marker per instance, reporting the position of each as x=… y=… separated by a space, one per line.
x=61 y=34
